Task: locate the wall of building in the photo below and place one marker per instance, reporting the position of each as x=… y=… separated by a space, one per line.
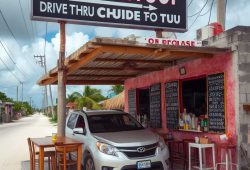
x=195 y=68
x=238 y=39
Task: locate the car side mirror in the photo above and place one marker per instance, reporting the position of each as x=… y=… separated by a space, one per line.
x=80 y=131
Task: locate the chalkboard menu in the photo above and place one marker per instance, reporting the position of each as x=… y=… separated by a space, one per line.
x=216 y=105
x=132 y=102
x=172 y=104
x=155 y=106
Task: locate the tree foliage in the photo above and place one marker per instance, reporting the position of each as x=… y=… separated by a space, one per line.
x=89 y=98
x=117 y=89
x=22 y=107
x=4 y=98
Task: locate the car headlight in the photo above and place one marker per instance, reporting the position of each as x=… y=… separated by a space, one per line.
x=106 y=148
x=161 y=143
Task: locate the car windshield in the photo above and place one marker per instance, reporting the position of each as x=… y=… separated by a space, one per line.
x=112 y=123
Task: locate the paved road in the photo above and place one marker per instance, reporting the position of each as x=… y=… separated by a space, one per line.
x=13 y=139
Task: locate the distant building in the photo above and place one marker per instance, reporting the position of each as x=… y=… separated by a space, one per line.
x=71 y=106
x=8 y=112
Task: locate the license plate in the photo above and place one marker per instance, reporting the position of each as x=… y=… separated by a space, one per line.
x=143 y=164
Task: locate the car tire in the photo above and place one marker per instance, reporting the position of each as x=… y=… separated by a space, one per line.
x=89 y=163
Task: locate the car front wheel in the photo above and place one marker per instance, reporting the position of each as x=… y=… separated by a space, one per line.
x=89 y=163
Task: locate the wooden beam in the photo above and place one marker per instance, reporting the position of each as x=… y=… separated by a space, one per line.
x=47 y=81
x=132 y=60
x=72 y=61
x=89 y=57
x=128 y=50
x=94 y=82
x=120 y=68
x=98 y=75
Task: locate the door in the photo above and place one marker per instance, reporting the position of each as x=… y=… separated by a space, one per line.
x=80 y=123
x=71 y=124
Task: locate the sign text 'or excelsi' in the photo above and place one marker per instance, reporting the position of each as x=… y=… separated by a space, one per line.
x=146 y=14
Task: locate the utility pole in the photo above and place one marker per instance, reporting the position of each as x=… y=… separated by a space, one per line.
x=42 y=62
x=17 y=93
x=30 y=102
x=61 y=106
x=22 y=91
x=221 y=12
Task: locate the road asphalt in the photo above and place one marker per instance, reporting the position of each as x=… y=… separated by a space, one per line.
x=13 y=139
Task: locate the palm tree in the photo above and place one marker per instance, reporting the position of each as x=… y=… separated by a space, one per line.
x=72 y=97
x=117 y=89
x=88 y=99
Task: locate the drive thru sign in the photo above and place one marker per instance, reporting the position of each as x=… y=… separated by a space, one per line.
x=140 y=14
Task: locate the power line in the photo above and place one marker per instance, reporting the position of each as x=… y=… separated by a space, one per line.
x=10 y=70
x=9 y=29
x=31 y=22
x=190 y=3
x=211 y=8
x=24 y=18
x=8 y=26
x=199 y=12
x=10 y=55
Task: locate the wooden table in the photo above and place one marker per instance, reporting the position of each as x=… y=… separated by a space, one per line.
x=46 y=142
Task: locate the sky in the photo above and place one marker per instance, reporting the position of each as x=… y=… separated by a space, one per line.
x=23 y=39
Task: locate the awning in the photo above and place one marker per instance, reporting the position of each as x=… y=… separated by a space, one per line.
x=108 y=61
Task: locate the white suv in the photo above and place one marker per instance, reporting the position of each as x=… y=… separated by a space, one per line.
x=114 y=140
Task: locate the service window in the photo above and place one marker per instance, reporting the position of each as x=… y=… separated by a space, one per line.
x=197 y=104
x=194 y=94
x=72 y=121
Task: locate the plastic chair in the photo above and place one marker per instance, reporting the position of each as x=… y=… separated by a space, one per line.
x=49 y=154
x=63 y=155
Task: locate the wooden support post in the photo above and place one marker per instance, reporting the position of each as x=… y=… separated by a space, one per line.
x=61 y=106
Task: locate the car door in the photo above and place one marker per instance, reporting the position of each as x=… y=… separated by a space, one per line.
x=71 y=121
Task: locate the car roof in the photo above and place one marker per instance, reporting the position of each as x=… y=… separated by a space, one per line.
x=103 y=112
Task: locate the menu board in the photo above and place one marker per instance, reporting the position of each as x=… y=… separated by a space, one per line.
x=155 y=106
x=216 y=104
x=132 y=102
x=172 y=104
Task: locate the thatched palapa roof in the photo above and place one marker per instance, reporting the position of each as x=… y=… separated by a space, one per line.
x=116 y=102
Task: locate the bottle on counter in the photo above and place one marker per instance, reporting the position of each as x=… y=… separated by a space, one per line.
x=187 y=119
x=193 y=122
x=181 y=123
x=205 y=124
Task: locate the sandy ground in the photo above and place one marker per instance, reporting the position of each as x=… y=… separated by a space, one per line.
x=13 y=139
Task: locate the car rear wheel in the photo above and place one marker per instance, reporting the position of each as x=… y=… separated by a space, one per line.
x=89 y=163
